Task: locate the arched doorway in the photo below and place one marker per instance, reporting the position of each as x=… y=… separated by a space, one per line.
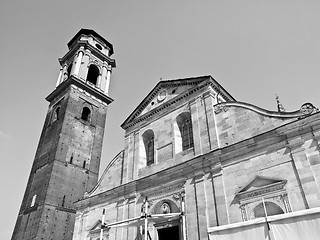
x=169 y=229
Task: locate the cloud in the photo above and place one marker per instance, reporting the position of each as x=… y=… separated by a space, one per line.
x=5 y=135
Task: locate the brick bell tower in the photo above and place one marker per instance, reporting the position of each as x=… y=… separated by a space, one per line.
x=67 y=160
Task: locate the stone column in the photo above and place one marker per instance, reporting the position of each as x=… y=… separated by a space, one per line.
x=99 y=80
x=102 y=85
x=74 y=63
x=83 y=72
x=78 y=63
x=108 y=78
x=65 y=73
x=60 y=77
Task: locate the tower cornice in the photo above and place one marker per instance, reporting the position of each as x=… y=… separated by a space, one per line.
x=93 y=33
x=72 y=80
x=83 y=43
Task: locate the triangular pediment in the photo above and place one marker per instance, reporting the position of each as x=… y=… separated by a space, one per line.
x=260 y=185
x=167 y=92
x=96 y=226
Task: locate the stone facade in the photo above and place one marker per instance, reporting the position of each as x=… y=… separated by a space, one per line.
x=241 y=156
x=192 y=152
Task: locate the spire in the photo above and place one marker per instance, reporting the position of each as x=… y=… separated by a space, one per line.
x=279 y=105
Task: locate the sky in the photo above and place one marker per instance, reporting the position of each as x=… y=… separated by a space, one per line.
x=253 y=48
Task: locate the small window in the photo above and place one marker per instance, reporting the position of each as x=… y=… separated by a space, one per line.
x=33 y=201
x=98 y=46
x=86 y=114
x=63 y=200
x=93 y=74
x=56 y=114
x=71 y=159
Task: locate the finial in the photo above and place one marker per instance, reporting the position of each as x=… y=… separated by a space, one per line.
x=279 y=105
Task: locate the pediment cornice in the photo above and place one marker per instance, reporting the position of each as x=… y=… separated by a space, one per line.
x=197 y=84
x=268 y=186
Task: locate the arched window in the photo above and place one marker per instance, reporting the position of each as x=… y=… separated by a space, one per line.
x=267 y=207
x=86 y=114
x=93 y=74
x=185 y=127
x=148 y=140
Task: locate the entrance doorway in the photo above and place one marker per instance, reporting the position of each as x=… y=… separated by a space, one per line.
x=170 y=233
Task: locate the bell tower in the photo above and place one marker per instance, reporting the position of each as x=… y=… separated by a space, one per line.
x=67 y=160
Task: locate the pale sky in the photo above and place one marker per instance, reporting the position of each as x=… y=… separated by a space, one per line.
x=253 y=48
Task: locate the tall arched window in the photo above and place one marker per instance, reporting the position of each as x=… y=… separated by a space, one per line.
x=86 y=114
x=148 y=140
x=93 y=74
x=185 y=127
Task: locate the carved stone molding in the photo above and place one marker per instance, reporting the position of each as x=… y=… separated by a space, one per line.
x=262 y=190
x=219 y=108
x=165 y=191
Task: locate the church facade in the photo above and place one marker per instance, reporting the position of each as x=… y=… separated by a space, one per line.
x=196 y=163
x=206 y=166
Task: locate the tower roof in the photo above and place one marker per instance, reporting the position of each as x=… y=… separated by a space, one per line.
x=93 y=33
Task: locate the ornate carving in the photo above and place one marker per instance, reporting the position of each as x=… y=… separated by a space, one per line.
x=178 y=196
x=262 y=191
x=219 y=108
x=165 y=191
x=273 y=191
x=165 y=208
x=308 y=109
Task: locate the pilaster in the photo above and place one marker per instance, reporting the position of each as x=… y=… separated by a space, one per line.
x=191 y=211
x=220 y=197
x=310 y=192
x=209 y=102
x=201 y=206
x=211 y=211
